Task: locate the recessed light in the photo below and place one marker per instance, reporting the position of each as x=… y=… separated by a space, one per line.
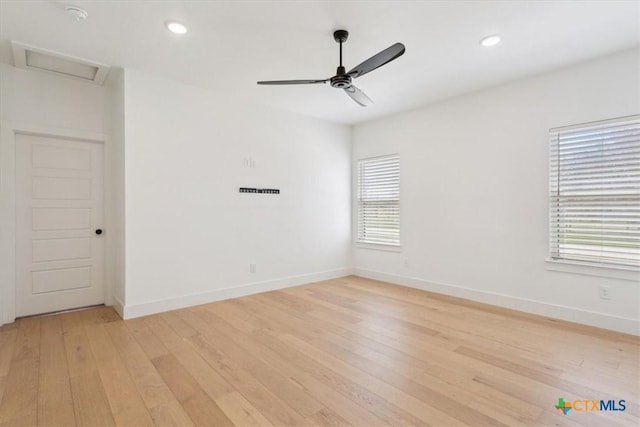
x=491 y=40
x=77 y=13
x=176 y=27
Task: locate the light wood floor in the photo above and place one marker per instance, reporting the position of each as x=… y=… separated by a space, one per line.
x=342 y=352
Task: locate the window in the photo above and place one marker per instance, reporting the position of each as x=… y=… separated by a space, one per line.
x=379 y=200
x=594 y=189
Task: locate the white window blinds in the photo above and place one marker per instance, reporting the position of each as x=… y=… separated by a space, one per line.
x=379 y=200
x=595 y=193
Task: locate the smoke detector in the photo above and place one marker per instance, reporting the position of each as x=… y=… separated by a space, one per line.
x=77 y=13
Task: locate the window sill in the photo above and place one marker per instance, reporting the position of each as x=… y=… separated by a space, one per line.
x=378 y=247
x=577 y=267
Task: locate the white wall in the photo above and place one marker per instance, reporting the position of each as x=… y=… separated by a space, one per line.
x=37 y=102
x=35 y=98
x=116 y=194
x=190 y=234
x=475 y=189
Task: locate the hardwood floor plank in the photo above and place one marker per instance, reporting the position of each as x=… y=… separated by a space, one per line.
x=278 y=384
x=530 y=323
x=325 y=394
x=176 y=323
x=202 y=410
x=536 y=375
x=163 y=407
x=431 y=370
x=465 y=338
x=339 y=393
x=401 y=392
x=7 y=343
x=228 y=310
x=147 y=340
x=72 y=322
x=79 y=356
x=150 y=385
x=563 y=387
x=125 y=401
x=408 y=376
x=55 y=404
x=359 y=382
x=270 y=405
x=9 y=327
x=19 y=404
x=538 y=394
x=170 y=415
x=241 y=411
x=326 y=342
x=166 y=335
x=90 y=404
x=211 y=382
x=327 y=418
x=3 y=382
x=343 y=352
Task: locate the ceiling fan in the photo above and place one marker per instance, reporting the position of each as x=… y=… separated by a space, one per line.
x=342 y=80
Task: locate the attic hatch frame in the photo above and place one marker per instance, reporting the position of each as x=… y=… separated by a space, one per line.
x=21 y=55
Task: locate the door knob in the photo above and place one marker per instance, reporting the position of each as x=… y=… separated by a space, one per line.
x=99 y=231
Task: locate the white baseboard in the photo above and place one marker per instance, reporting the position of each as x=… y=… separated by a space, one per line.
x=118 y=306
x=152 y=307
x=571 y=314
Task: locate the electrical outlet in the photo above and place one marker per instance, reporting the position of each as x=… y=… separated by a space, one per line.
x=605 y=292
x=252 y=268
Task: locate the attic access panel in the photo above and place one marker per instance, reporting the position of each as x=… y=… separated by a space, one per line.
x=35 y=58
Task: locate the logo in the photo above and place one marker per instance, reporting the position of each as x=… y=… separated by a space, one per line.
x=580 y=405
x=563 y=406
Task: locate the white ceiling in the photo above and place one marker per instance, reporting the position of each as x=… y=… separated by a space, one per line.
x=232 y=44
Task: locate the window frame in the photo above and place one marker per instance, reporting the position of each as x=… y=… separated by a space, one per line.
x=569 y=264
x=372 y=244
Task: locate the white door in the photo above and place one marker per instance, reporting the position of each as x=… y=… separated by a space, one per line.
x=59 y=217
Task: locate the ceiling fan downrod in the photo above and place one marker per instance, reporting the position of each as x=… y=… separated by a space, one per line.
x=341 y=80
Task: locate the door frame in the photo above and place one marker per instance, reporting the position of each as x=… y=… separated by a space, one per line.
x=8 y=132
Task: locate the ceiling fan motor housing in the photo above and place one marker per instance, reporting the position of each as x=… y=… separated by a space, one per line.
x=341 y=80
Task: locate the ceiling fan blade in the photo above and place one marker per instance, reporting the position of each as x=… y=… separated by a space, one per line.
x=292 y=82
x=358 y=96
x=378 y=60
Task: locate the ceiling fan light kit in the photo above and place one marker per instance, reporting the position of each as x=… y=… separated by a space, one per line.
x=342 y=79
